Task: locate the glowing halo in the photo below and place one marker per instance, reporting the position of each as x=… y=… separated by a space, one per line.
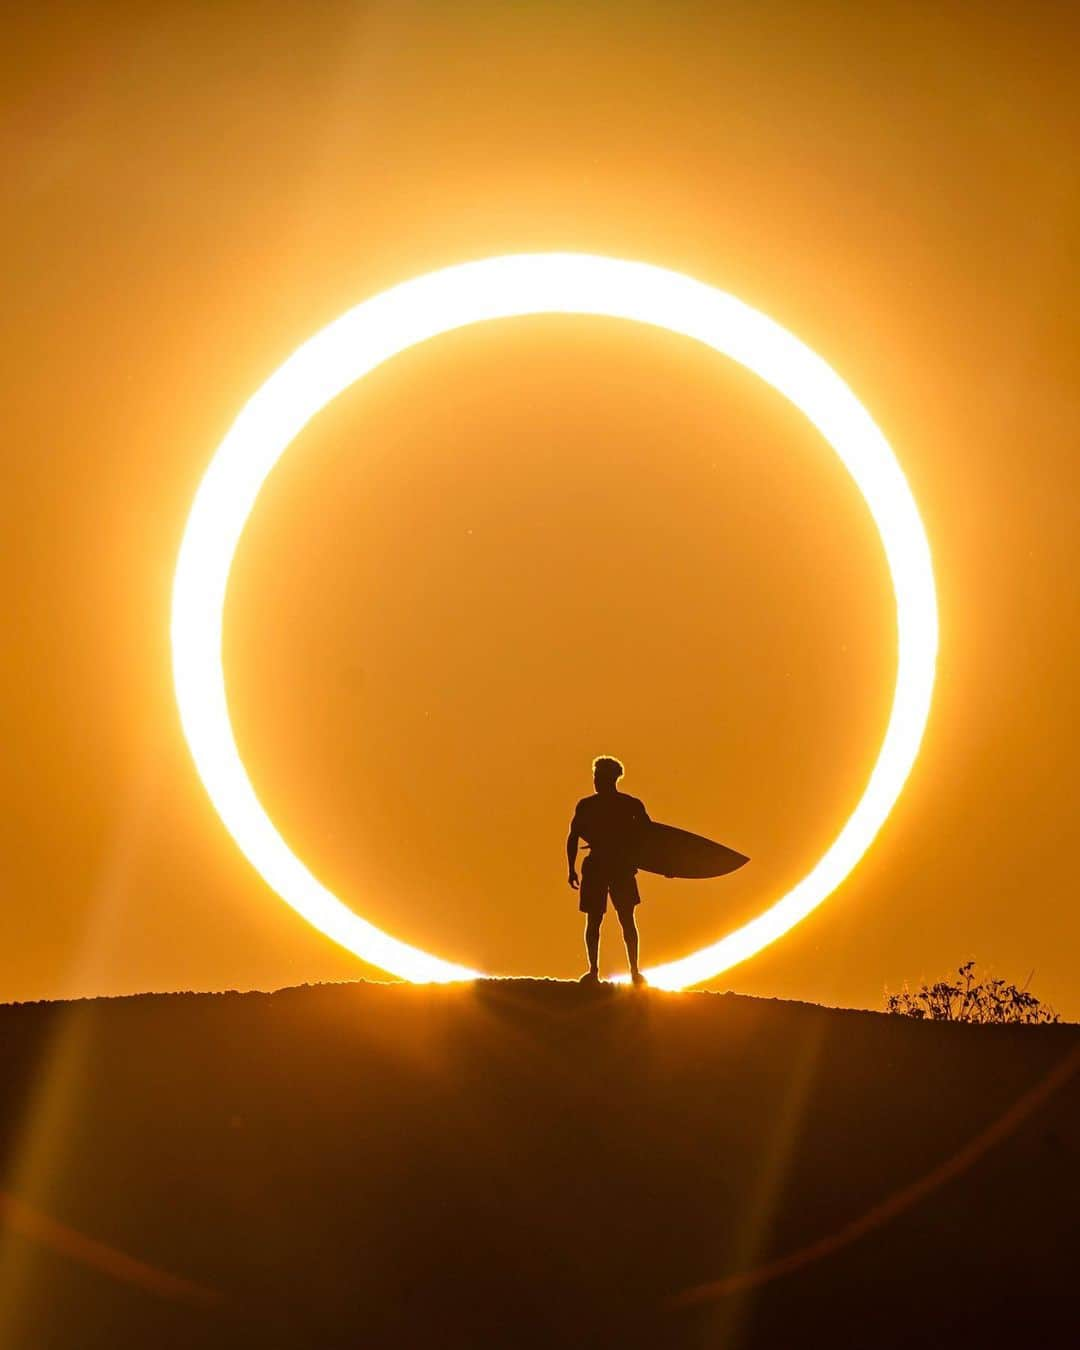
x=501 y=288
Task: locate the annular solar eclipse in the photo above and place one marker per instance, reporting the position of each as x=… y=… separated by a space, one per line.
x=505 y=288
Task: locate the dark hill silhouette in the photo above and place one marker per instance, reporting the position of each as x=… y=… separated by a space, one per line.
x=530 y=1164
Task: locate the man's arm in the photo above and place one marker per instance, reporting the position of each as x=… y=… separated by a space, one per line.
x=571 y=853
x=641 y=819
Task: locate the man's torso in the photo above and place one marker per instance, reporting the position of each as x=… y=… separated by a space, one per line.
x=610 y=824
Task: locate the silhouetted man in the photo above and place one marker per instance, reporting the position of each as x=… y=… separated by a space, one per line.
x=609 y=823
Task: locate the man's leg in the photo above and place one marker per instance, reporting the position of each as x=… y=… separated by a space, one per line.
x=593 y=901
x=630 y=937
x=625 y=899
x=592 y=940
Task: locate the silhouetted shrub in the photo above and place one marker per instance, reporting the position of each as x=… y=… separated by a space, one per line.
x=970 y=999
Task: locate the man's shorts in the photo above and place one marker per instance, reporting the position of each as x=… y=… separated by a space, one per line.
x=597 y=883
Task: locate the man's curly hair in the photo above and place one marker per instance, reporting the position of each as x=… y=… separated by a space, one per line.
x=605 y=766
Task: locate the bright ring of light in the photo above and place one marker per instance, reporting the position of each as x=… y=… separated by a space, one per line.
x=500 y=288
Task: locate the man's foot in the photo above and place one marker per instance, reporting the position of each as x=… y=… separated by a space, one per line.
x=636 y=977
x=590 y=977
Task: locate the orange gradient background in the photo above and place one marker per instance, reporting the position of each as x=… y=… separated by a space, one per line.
x=527 y=543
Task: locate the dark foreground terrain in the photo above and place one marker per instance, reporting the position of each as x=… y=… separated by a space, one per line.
x=527 y=1164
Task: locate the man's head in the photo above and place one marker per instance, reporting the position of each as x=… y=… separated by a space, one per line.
x=606 y=772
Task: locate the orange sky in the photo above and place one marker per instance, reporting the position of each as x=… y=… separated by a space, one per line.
x=533 y=542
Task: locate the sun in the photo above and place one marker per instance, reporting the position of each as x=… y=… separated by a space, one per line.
x=503 y=288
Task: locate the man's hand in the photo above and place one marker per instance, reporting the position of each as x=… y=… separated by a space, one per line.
x=573 y=880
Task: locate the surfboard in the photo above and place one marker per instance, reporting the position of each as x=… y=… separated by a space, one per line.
x=671 y=852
